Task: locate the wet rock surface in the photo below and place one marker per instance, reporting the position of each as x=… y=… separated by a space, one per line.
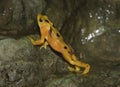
x=91 y=28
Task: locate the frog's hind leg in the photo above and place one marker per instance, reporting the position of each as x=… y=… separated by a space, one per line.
x=79 y=64
x=71 y=58
x=83 y=65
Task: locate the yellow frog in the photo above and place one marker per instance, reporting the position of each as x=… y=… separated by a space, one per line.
x=50 y=36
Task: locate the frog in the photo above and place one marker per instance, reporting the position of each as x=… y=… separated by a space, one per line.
x=52 y=37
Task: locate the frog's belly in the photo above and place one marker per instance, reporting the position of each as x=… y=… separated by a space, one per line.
x=56 y=45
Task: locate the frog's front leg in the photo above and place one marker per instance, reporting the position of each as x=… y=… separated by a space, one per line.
x=37 y=42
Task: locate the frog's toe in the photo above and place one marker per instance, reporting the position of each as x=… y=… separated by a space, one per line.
x=77 y=69
x=44 y=45
x=71 y=69
x=31 y=39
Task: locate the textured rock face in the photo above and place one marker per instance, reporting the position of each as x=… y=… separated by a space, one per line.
x=96 y=28
x=18 y=16
x=22 y=64
x=90 y=27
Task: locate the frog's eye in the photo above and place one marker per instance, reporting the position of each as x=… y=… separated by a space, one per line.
x=47 y=21
x=40 y=20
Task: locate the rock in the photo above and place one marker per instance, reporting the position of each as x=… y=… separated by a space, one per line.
x=62 y=81
x=21 y=63
x=17 y=62
x=18 y=17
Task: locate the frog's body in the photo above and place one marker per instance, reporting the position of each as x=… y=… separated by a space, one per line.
x=50 y=36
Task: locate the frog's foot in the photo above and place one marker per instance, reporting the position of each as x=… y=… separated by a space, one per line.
x=71 y=69
x=32 y=40
x=74 y=69
x=77 y=69
x=44 y=45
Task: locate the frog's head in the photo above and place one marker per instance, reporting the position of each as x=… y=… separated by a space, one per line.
x=42 y=19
